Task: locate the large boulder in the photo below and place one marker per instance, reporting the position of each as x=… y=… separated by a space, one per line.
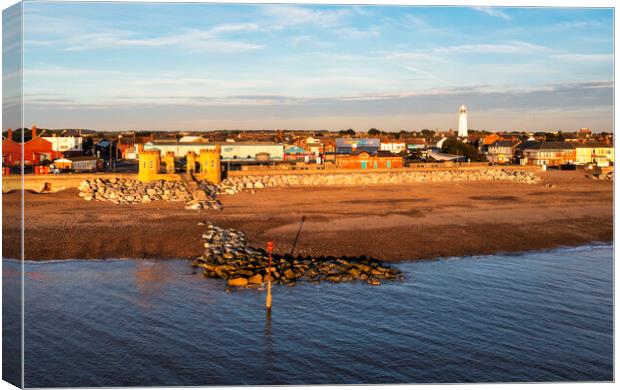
x=237 y=282
x=256 y=279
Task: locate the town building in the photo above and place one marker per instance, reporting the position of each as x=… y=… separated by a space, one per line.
x=462 y=122
x=313 y=145
x=352 y=145
x=601 y=154
x=108 y=148
x=193 y=138
x=205 y=165
x=329 y=145
x=502 y=152
x=552 y=153
x=366 y=160
x=585 y=133
x=11 y=150
x=130 y=146
x=296 y=153
x=78 y=164
x=68 y=146
x=571 y=137
x=489 y=140
x=39 y=150
x=231 y=151
x=415 y=144
x=392 y=146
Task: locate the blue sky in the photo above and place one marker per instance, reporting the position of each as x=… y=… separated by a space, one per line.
x=113 y=66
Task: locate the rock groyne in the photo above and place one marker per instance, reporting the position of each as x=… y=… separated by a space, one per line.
x=227 y=256
x=127 y=191
x=236 y=183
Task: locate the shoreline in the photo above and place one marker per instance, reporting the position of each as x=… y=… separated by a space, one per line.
x=390 y=223
x=559 y=249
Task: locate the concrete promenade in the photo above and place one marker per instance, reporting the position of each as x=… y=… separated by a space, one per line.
x=37 y=182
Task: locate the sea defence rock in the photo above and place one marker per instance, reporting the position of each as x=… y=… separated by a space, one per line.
x=602 y=176
x=127 y=191
x=237 y=183
x=227 y=256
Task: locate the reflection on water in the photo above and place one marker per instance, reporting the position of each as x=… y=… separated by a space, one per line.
x=149 y=280
x=533 y=317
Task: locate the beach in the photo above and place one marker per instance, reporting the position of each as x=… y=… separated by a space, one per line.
x=386 y=222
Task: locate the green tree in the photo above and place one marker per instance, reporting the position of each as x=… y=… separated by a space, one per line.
x=426 y=133
x=554 y=137
x=403 y=134
x=374 y=132
x=456 y=147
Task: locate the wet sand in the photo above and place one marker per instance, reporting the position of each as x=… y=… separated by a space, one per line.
x=392 y=223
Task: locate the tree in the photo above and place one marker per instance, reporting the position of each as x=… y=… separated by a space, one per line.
x=554 y=136
x=349 y=132
x=374 y=132
x=428 y=133
x=456 y=147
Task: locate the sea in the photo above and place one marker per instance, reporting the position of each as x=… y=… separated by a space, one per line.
x=530 y=317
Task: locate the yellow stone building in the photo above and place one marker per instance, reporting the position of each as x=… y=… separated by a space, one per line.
x=209 y=165
x=190 y=162
x=148 y=168
x=599 y=153
x=169 y=161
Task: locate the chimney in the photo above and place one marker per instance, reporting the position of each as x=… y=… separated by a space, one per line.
x=34 y=132
x=9 y=134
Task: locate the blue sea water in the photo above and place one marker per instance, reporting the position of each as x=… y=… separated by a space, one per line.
x=533 y=317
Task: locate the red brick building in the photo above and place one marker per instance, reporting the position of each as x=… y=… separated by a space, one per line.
x=11 y=150
x=36 y=150
x=365 y=160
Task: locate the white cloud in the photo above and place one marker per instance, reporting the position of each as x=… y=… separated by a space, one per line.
x=493 y=11
x=425 y=73
x=355 y=33
x=291 y=15
x=576 y=24
x=416 y=21
x=212 y=39
x=442 y=54
x=508 y=47
x=572 y=57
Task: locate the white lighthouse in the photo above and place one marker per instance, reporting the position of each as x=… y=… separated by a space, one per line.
x=463 y=122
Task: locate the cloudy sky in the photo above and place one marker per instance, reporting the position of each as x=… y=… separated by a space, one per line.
x=111 y=66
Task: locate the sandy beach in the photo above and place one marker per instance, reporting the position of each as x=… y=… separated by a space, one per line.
x=388 y=222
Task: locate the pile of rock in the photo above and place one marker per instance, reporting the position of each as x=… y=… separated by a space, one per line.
x=398 y=177
x=602 y=176
x=227 y=256
x=126 y=191
x=225 y=187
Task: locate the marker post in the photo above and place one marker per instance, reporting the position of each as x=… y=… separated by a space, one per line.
x=268 y=299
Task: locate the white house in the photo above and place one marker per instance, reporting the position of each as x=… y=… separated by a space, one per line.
x=394 y=147
x=65 y=144
x=313 y=145
x=193 y=138
x=231 y=151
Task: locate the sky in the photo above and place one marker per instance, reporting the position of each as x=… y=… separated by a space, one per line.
x=119 y=66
